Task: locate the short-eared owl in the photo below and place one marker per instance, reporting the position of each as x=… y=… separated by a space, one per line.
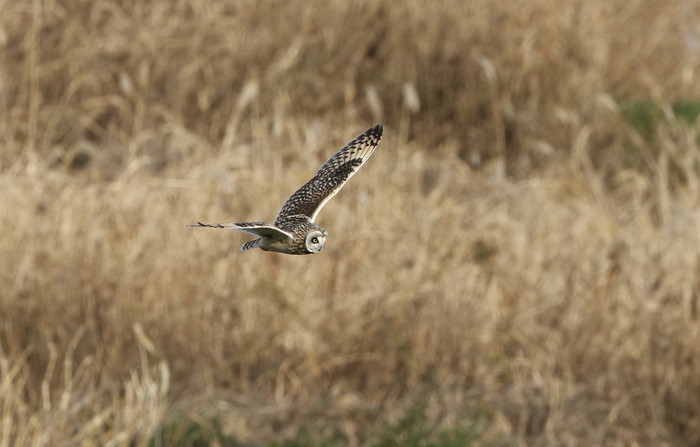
x=294 y=231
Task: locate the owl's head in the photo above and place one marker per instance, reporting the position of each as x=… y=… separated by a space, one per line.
x=315 y=240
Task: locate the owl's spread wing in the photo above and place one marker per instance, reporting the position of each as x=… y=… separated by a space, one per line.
x=256 y=228
x=330 y=178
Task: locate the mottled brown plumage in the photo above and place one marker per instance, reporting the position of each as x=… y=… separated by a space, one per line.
x=294 y=230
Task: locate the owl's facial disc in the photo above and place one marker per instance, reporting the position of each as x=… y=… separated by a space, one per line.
x=315 y=241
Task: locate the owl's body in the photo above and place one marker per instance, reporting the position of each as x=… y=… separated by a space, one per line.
x=294 y=231
x=295 y=236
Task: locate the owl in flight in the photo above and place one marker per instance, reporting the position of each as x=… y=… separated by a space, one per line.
x=294 y=231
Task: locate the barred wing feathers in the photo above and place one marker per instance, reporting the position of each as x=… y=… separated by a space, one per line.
x=330 y=178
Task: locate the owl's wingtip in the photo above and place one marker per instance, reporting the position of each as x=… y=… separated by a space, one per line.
x=377 y=130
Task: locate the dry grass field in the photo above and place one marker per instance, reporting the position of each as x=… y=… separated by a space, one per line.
x=518 y=264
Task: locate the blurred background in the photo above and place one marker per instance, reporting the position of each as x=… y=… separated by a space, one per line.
x=517 y=264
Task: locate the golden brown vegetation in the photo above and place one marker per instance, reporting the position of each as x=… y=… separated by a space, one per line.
x=520 y=259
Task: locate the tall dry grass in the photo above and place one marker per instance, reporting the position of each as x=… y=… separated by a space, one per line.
x=515 y=249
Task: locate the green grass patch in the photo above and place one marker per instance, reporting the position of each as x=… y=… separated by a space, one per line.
x=189 y=433
x=413 y=430
x=688 y=111
x=645 y=115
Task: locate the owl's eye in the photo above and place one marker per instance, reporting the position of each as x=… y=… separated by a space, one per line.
x=314 y=240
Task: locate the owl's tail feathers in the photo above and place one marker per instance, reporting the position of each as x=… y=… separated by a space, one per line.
x=252 y=244
x=216 y=225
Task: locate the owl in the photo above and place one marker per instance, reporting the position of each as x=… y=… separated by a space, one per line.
x=294 y=231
